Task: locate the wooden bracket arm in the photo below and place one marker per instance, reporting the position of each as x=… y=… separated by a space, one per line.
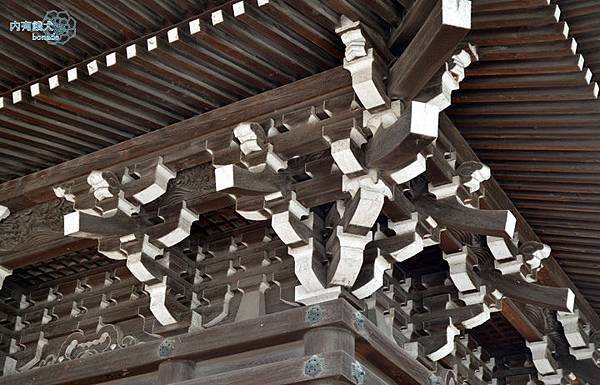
x=450 y=212
x=395 y=146
x=556 y=298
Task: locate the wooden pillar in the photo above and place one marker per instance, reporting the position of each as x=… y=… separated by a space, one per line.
x=328 y=339
x=170 y=372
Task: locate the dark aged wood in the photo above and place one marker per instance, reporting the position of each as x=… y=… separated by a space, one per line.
x=495 y=197
x=450 y=212
x=410 y=25
x=328 y=192
x=175 y=371
x=226 y=340
x=337 y=369
x=519 y=320
x=549 y=297
x=392 y=148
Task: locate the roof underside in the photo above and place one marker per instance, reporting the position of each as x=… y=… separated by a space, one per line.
x=529 y=108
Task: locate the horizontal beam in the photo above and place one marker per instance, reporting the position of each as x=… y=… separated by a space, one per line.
x=336 y=367
x=277 y=328
x=447 y=25
x=36 y=188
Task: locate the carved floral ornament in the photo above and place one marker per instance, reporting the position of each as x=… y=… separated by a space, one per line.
x=106 y=337
x=384 y=157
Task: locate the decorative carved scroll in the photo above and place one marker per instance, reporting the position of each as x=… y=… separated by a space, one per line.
x=438 y=91
x=106 y=337
x=37 y=225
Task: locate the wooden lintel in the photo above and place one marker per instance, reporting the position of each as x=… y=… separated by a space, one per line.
x=447 y=24
x=336 y=366
x=276 y=328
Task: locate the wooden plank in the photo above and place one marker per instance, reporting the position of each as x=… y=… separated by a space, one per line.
x=175 y=371
x=538 y=16
x=445 y=27
x=505 y=5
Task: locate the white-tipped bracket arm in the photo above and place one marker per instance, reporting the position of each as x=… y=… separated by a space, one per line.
x=347 y=256
x=152 y=182
x=362 y=63
x=4 y=212
x=362 y=211
x=158 y=307
x=461 y=272
x=175 y=228
x=396 y=146
x=448 y=343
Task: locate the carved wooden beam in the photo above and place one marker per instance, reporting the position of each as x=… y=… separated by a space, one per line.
x=450 y=212
x=268 y=330
x=37 y=188
x=545 y=296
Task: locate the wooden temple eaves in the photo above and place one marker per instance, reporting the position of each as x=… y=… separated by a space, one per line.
x=336 y=228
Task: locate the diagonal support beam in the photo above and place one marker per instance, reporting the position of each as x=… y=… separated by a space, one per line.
x=558 y=298
x=450 y=212
x=394 y=147
x=446 y=26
